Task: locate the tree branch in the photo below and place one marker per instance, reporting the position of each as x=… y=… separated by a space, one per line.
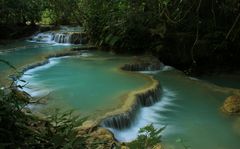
x=233 y=26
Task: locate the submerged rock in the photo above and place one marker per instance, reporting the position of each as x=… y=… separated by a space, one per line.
x=232 y=105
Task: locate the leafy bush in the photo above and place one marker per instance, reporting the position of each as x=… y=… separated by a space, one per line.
x=147 y=138
x=19 y=128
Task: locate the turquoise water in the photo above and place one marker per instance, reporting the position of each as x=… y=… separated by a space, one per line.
x=90 y=85
x=22 y=53
x=194 y=115
x=228 y=80
x=190 y=110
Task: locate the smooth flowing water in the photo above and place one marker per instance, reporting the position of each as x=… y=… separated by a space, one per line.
x=191 y=111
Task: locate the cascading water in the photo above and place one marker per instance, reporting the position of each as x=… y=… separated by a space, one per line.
x=189 y=111
x=126 y=119
x=60 y=37
x=70 y=37
x=63 y=36
x=46 y=37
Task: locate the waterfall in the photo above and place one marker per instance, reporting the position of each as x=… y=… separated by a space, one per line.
x=60 y=37
x=46 y=37
x=125 y=120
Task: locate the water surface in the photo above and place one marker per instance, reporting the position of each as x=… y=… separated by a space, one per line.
x=90 y=85
x=191 y=112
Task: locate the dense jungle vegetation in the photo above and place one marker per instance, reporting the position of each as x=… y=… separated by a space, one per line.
x=187 y=34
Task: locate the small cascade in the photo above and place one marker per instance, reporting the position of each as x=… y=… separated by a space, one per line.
x=45 y=37
x=142 y=67
x=147 y=64
x=149 y=98
x=125 y=120
x=61 y=37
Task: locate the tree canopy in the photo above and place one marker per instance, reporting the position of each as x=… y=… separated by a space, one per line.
x=188 y=29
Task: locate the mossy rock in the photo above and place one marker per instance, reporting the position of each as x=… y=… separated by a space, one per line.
x=232 y=105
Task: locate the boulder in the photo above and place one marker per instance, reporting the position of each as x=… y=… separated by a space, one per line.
x=232 y=105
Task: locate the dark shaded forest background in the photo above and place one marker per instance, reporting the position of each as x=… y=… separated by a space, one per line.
x=191 y=35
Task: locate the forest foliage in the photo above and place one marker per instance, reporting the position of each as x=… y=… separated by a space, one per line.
x=181 y=33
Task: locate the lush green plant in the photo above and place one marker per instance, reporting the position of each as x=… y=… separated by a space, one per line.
x=19 y=128
x=20 y=11
x=147 y=138
x=24 y=130
x=126 y=25
x=62 y=131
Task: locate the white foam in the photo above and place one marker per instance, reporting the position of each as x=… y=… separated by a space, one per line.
x=86 y=54
x=167 y=68
x=37 y=89
x=33 y=89
x=52 y=37
x=51 y=62
x=45 y=37
x=62 y=44
x=150 y=72
x=193 y=78
x=147 y=115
